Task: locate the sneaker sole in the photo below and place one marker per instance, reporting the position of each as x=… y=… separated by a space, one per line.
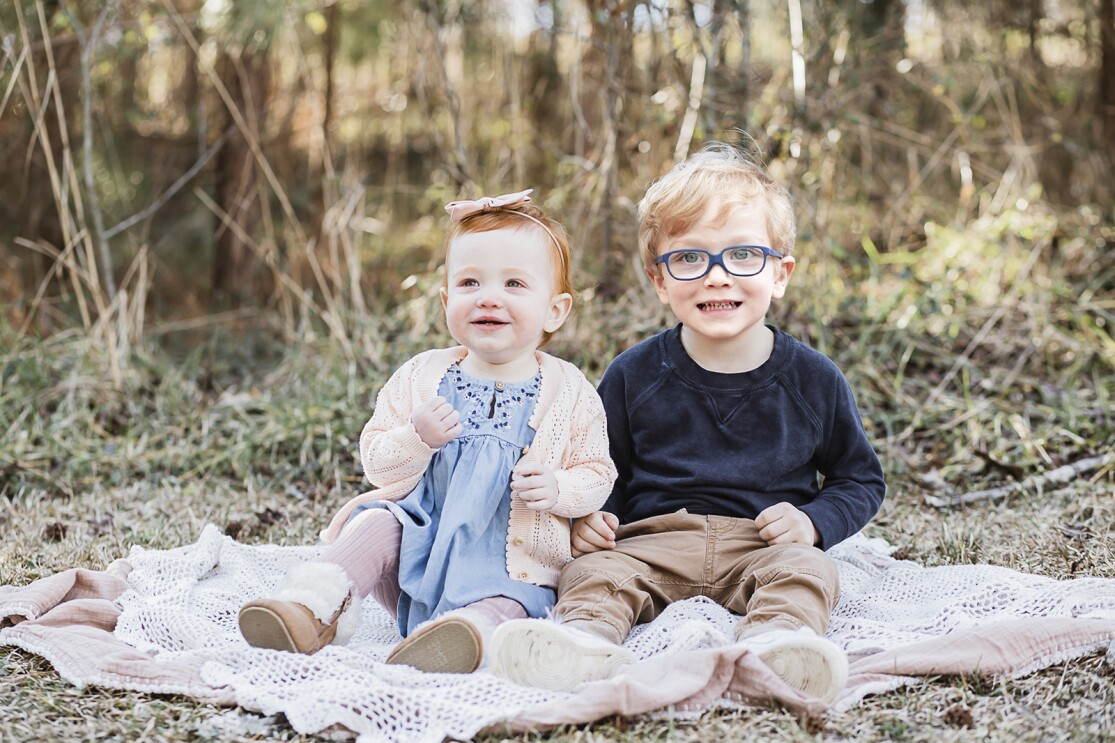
x=263 y=628
x=540 y=654
x=451 y=646
x=813 y=667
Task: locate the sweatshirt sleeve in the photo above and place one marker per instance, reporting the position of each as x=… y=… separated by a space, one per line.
x=390 y=448
x=612 y=394
x=853 y=487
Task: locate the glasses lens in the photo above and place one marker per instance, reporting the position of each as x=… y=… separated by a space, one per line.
x=744 y=261
x=687 y=264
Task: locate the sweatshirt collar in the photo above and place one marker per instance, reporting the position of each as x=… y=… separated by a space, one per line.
x=676 y=356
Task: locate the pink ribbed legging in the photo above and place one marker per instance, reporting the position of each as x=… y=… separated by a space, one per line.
x=368 y=551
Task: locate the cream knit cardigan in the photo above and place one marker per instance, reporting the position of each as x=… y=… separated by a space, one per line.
x=571 y=438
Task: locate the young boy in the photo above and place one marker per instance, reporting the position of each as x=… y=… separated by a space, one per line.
x=719 y=428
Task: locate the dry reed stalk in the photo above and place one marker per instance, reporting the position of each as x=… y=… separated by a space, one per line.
x=36 y=100
x=88 y=45
x=112 y=318
x=304 y=299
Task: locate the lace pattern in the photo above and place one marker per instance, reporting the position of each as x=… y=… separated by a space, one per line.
x=181 y=604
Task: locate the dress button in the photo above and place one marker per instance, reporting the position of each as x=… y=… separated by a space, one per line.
x=524 y=575
x=518 y=541
x=499 y=385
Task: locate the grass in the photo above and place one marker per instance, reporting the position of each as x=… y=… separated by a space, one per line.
x=982 y=358
x=979 y=345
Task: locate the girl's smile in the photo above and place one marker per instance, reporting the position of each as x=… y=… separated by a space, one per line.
x=500 y=297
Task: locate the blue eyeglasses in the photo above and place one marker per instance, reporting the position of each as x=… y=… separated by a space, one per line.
x=690 y=264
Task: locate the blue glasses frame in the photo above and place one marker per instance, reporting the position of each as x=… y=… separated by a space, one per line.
x=717 y=259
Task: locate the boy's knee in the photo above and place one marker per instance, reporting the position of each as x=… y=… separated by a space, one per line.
x=606 y=569
x=803 y=555
x=802 y=563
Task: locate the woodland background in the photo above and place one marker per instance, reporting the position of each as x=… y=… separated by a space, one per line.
x=169 y=158
x=221 y=229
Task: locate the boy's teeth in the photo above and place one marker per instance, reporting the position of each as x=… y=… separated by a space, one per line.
x=719 y=305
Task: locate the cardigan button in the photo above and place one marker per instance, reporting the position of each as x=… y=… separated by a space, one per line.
x=524 y=575
x=517 y=541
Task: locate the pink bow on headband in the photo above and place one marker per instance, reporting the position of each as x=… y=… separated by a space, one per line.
x=458 y=210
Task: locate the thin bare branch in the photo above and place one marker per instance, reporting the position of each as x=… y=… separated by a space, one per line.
x=17 y=65
x=1060 y=476
x=689 y=121
x=229 y=223
x=168 y=194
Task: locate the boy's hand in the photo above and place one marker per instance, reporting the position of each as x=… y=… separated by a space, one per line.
x=593 y=533
x=437 y=422
x=785 y=524
x=535 y=484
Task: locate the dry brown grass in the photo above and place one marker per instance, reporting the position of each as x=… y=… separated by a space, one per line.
x=90 y=468
x=977 y=335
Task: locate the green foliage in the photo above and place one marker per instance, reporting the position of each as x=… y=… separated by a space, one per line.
x=955 y=234
x=68 y=432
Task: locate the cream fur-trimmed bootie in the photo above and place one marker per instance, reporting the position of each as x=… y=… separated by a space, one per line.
x=314 y=606
x=451 y=643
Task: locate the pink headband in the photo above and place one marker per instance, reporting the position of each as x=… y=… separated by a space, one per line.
x=459 y=210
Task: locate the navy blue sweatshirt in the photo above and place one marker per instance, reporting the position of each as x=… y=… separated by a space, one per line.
x=734 y=444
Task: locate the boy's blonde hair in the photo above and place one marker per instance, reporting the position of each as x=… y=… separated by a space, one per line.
x=522 y=217
x=675 y=202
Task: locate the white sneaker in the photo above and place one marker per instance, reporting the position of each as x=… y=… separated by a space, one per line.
x=803 y=659
x=547 y=655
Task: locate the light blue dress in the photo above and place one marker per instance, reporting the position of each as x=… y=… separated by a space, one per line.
x=454 y=543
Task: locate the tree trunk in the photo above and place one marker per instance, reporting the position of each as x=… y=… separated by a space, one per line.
x=743 y=83
x=1106 y=97
x=191 y=87
x=882 y=25
x=330 y=45
x=618 y=43
x=319 y=165
x=238 y=182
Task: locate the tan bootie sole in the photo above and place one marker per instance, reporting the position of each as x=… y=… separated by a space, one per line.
x=264 y=628
x=287 y=625
x=447 y=645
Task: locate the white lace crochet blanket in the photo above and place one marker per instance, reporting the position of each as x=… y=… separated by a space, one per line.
x=181 y=605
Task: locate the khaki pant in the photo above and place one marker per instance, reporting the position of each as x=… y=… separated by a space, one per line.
x=664 y=559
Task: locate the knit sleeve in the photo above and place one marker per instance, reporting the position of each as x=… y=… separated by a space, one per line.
x=587 y=473
x=390 y=448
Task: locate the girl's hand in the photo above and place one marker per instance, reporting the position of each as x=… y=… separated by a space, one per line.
x=437 y=422
x=593 y=533
x=535 y=484
x=782 y=523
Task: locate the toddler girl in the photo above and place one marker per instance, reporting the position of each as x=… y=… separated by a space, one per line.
x=481 y=454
